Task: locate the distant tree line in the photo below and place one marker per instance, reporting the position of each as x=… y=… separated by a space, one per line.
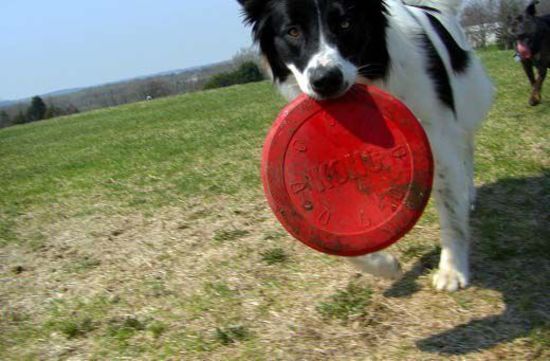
x=37 y=110
x=247 y=73
x=243 y=68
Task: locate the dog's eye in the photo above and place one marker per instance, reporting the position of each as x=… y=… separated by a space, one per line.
x=345 y=25
x=294 y=33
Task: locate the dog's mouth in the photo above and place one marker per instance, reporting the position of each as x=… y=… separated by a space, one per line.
x=334 y=94
x=524 y=50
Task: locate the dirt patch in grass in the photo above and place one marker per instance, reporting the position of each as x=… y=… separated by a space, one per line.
x=163 y=291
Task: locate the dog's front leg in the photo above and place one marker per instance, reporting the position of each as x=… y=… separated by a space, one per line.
x=528 y=68
x=453 y=197
x=537 y=86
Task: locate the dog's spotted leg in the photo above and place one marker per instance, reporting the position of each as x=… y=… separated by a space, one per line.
x=379 y=264
x=537 y=87
x=453 y=197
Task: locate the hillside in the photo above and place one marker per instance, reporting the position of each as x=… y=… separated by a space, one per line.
x=127 y=91
x=141 y=232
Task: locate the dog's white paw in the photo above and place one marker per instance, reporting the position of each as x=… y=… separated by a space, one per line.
x=450 y=279
x=379 y=264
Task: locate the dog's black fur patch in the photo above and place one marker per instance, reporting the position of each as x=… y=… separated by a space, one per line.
x=427 y=8
x=459 y=57
x=438 y=73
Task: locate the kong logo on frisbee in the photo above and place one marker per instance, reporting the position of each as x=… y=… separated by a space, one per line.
x=347 y=176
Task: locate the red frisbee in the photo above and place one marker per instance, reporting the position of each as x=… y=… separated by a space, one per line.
x=348 y=176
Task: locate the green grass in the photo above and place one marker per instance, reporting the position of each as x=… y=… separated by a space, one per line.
x=144 y=155
x=83 y=264
x=350 y=303
x=226 y=235
x=231 y=334
x=274 y=256
x=141 y=232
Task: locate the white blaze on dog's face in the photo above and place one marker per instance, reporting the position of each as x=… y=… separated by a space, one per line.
x=323 y=44
x=328 y=73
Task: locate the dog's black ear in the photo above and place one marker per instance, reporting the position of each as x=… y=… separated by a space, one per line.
x=253 y=9
x=532 y=8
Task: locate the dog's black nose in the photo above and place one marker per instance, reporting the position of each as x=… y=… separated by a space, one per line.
x=327 y=81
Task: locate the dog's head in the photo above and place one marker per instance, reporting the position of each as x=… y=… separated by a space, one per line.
x=325 y=45
x=524 y=29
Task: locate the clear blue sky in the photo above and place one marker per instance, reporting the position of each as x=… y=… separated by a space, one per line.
x=48 y=45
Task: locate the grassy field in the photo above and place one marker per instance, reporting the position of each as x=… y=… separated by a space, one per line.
x=141 y=232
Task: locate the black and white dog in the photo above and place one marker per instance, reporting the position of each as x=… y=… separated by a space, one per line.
x=416 y=51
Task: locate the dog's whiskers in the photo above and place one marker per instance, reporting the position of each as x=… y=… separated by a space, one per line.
x=368 y=66
x=370 y=69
